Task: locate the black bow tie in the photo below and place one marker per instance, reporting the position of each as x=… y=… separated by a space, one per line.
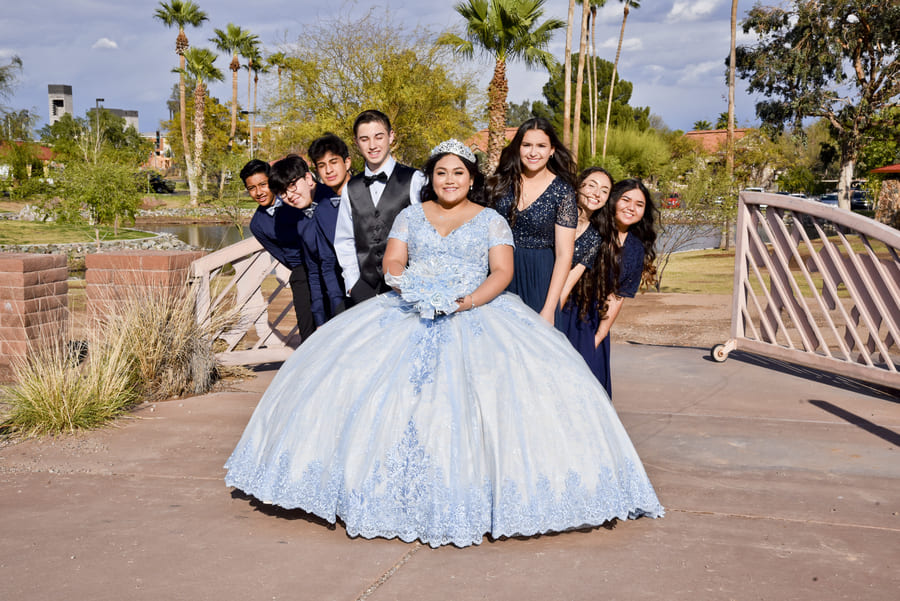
x=378 y=177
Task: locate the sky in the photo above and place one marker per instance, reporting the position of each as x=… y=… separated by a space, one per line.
x=673 y=51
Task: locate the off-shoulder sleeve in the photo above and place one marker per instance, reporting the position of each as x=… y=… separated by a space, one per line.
x=567 y=209
x=400 y=229
x=498 y=230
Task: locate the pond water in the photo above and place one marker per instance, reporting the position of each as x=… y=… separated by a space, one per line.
x=205 y=235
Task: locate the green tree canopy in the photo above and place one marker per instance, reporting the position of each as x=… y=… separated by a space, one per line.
x=96 y=137
x=335 y=74
x=622 y=116
x=836 y=60
x=503 y=30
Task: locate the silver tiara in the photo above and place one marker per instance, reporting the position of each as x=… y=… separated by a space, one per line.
x=456 y=147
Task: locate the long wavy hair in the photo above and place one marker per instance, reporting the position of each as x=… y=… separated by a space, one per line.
x=476 y=192
x=508 y=175
x=593 y=289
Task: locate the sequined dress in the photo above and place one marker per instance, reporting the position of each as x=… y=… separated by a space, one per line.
x=442 y=430
x=534 y=233
x=580 y=332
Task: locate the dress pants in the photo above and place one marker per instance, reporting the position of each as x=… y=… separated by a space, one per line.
x=299 y=282
x=362 y=291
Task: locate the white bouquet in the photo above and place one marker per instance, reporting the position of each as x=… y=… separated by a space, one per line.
x=429 y=287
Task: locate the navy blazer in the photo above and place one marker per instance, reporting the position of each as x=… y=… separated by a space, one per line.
x=293 y=238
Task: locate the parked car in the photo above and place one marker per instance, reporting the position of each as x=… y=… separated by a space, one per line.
x=860 y=201
x=160 y=185
x=672 y=202
x=829 y=199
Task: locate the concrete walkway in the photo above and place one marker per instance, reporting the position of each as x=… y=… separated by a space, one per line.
x=779 y=483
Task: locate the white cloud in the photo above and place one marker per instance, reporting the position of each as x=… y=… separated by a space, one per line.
x=702 y=74
x=628 y=44
x=690 y=10
x=105 y=44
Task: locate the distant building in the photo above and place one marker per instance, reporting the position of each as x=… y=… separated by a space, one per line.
x=713 y=140
x=131 y=117
x=478 y=142
x=60 y=101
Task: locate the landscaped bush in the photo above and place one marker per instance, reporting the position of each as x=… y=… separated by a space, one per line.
x=147 y=348
x=57 y=392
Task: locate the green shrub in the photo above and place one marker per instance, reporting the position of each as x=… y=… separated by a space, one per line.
x=56 y=393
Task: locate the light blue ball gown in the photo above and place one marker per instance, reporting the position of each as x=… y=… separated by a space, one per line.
x=442 y=429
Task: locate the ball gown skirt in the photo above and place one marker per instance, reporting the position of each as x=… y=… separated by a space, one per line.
x=479 y=422
x=532 y=270
x=581 y=335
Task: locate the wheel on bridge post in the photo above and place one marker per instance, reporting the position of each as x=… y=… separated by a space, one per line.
x=719 y=353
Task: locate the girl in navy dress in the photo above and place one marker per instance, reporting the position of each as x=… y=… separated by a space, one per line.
x=533 y=189
x=624 y=257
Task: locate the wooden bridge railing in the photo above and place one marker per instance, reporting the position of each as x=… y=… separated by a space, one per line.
x=817 y=286
x=232 y=279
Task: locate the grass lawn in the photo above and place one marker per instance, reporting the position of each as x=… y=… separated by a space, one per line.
x=700 y=272
x=32 y=232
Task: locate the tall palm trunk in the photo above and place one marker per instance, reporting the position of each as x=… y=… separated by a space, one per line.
x=567 y=79
x=199 y=118
x=235 y=66
x=725 y=242
x=595 y=92
x=579 y=81
x=253 y=114
x=497 y=91
x=181 y=44
x=612 y=82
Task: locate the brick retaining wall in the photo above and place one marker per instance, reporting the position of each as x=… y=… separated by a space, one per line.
x=33 y=305
x=110 y=277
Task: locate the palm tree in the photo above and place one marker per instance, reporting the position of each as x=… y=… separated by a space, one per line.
x=8 y=75
x=594 y=93
x=729 y=136
x=259 y=65
x=199 y=67
x=181 y=13
x=232 y=40
x=579 y=77
x=504 y=30
x=612 y=82
x=567 y=69
x=252 y=53
x=702 y=125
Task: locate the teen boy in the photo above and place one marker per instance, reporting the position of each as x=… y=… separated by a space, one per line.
x=369 y=203
x=275 y=227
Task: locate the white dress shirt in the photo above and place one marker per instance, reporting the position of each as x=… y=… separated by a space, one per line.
x=344 y=242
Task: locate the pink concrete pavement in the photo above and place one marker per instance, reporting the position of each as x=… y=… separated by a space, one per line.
x=779 y=483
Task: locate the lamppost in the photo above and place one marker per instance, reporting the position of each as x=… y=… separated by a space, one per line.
x=97 y=102
x=250 y=124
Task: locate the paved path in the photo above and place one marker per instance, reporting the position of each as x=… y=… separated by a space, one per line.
x=779 y=483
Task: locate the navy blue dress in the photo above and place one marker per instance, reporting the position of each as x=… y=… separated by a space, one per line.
x=581 y=332
x=535 y=238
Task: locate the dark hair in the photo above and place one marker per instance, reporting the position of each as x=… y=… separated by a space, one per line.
x=285 y=172
x=253 y=167
x=371 y=116
x=586 y=173
x=328 y=142
x=509 y=171
x=592 y=290
x=476 y=193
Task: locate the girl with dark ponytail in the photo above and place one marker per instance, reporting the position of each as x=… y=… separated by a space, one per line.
x=593 y=298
